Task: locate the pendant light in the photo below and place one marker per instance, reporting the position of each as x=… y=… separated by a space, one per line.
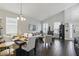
x=20 y=16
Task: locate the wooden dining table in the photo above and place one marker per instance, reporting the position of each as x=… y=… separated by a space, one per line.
x=20 y=43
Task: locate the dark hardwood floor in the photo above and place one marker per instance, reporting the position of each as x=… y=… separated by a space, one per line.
x=69 y=48
x=57 y=48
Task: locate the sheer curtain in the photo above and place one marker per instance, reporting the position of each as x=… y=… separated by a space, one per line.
x=56 y=27
x=45 y=27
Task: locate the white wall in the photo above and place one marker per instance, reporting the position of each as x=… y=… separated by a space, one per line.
x=72 y=17
x=3 y=15
x=56 y=18
x=22 y=26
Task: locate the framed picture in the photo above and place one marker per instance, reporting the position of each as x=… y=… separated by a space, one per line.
x=31 y=27
x=34 y=28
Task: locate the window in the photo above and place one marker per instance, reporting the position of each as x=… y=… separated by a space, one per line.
x=38 y=27
x=45 y=27
x=71 y=30
x=56 y=27
x=11 y=25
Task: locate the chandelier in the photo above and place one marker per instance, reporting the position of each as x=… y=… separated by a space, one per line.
x=21 y=16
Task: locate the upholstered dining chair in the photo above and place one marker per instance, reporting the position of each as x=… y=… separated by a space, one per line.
x=30 y=45
x=7 y=52
x=47 y=39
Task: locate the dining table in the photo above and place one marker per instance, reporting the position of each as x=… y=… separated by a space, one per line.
x=20 y=43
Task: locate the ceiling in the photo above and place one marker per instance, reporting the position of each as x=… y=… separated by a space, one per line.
x=39 y=11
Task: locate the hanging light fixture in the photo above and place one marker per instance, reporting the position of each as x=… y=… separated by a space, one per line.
x=20 y=16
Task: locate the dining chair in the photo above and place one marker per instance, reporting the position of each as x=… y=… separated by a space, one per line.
x=8 y=48
x=48 y=40
x=56 y=36
x=31 y=45
x=7 y=52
